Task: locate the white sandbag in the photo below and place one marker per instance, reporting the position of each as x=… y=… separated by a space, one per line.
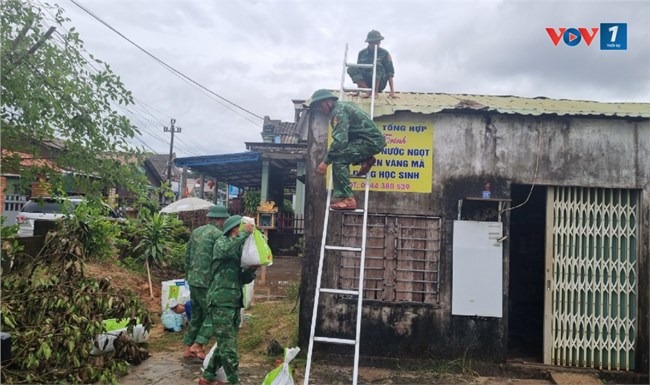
x=221 y=373
x=256 y=251
x=104 y=342
x=176 y=289
x=282 y=374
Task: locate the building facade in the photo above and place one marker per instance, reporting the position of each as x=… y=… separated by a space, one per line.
x=498 y=227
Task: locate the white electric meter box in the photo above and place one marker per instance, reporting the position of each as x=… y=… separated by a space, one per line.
x=477 y=275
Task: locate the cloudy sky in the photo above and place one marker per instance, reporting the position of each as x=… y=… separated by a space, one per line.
x=261 y=54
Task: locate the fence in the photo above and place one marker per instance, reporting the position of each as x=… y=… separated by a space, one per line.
x=289 y=223
x=12 y=205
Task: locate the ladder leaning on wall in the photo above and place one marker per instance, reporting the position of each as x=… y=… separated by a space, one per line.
x=362 y=250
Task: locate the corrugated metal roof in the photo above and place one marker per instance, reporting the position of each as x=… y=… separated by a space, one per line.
x=286 y=131
x=428 y=103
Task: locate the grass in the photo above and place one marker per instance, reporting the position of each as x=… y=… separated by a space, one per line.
x=269 y=321
x=166 y=341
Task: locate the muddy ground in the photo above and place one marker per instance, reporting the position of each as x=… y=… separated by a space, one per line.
x=166 y=366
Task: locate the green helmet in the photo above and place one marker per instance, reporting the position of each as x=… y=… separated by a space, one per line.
x=321 y=95
x=217 y=211
x=231 y=223
x=374 y=36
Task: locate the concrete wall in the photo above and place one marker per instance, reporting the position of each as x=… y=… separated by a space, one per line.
x=468 y=149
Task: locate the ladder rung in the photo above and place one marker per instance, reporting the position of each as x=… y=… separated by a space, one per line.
x=357 y=65
x=342 y=248
x=339 y=291
x=340 y=341
x=349 y=211
x=357 y=89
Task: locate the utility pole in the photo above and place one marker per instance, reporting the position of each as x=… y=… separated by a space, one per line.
x=171 y=129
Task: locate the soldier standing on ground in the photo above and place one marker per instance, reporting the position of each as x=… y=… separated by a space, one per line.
x=225 y=299
x=385 y=71
x=197 y=275
x=355 y=140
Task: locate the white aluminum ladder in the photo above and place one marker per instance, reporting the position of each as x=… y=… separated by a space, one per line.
x=362 y=250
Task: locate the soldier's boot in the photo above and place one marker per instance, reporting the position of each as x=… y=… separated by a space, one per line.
x=366 y=165
x=344 y=204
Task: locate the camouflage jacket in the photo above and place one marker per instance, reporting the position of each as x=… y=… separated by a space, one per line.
x=349 y=122
x=199 y=255
x=366 y=56
x=228 y=276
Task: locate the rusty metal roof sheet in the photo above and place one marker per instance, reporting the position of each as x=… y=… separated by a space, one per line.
x=429 y=103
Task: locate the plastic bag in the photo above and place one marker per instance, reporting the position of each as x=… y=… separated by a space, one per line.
x=248 y=292
x=256 y=251
x=282 y=374
x=172 y=321
x=221 y=373
x=104 y=342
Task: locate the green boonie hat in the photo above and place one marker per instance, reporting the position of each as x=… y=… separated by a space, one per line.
x=321 y=95
x=374 y=36
x=217 y=211
x=231 y=223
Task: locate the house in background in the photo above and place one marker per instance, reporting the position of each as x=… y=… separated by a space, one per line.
x=499 y=227
x=274 y=166
x=155 y=169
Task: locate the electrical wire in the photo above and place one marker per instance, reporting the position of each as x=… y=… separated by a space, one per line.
x=164 y=64
x=539 y=140
x=183 y=146
x=132 y=114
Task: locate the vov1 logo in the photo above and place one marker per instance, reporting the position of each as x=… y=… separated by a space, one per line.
x=613 y=36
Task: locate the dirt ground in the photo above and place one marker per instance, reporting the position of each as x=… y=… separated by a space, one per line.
x=166 y=366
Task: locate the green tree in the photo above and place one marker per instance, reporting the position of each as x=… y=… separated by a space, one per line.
x=154 y=243
x=53 y=91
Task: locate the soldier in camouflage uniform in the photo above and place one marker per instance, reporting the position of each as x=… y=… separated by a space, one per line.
x=197 y=275
x=356 y=139
x=385 y=70
x=225 y=299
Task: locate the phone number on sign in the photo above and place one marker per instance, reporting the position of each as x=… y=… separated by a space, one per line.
x=387 y=186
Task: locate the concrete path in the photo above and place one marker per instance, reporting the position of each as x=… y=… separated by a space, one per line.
x=567 y=378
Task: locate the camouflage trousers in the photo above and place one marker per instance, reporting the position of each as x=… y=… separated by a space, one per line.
x=225 y=322
x=365 y=74
x=199 y=329
x=356 y=152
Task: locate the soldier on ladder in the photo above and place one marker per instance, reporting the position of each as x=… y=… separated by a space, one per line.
x=355 y=140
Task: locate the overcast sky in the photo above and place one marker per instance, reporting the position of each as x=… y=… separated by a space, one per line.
x=262 y=54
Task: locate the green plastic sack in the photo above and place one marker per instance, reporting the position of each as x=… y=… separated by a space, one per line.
x=256 y=251
x=282 y=374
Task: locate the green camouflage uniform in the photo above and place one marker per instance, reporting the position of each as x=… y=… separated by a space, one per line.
x=385 y=69
x=225 y=302
x=355 y=138
x=197 y=275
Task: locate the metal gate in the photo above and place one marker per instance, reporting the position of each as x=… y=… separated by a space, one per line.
x=12 y=205
x=591 y=281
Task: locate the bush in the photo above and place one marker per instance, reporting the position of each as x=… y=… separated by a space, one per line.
x=100 y=242
x=54 y=312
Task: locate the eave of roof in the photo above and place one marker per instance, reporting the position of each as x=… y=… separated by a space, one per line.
x=242 y=169
x=430 y=103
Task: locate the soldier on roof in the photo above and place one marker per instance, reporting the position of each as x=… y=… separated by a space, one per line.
x=385 y=71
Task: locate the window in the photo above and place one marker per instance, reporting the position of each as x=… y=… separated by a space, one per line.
x=402 y=257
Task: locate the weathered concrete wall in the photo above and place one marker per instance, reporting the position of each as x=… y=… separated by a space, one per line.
x=470 y=148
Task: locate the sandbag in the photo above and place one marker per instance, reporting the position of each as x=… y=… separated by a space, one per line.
x=282 y=374
x=256 y=251
x=221 y=373
x=104 y=342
